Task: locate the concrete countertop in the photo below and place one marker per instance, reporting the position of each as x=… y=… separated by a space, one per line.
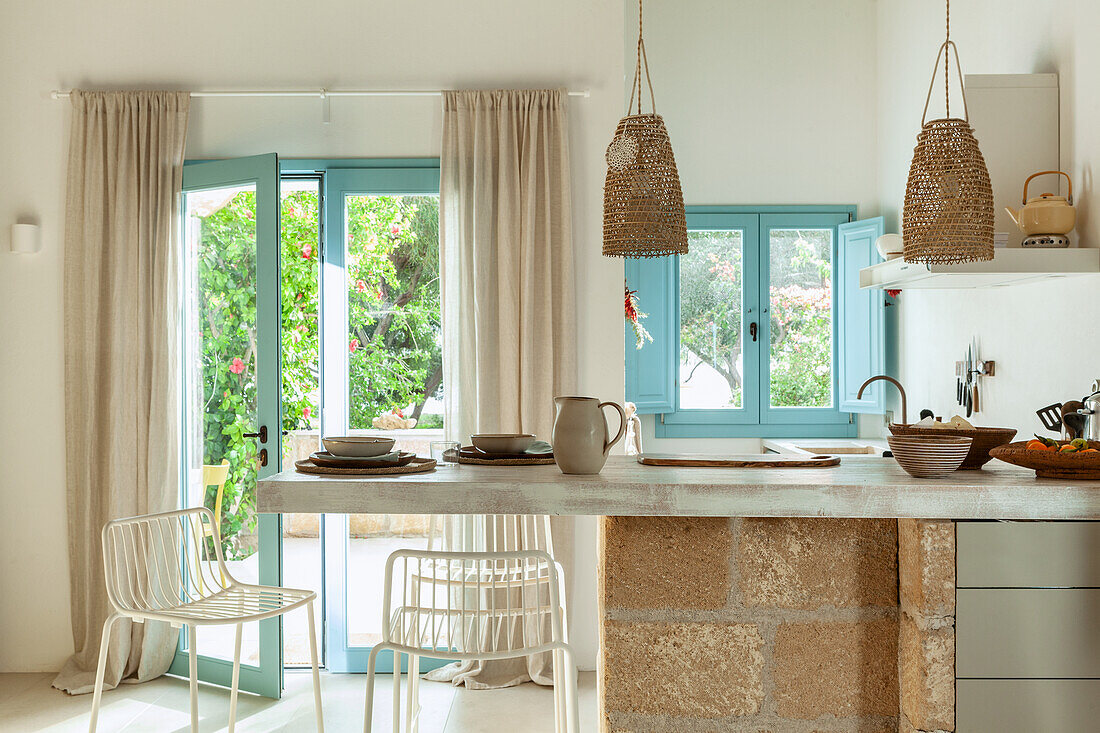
x=861 y=486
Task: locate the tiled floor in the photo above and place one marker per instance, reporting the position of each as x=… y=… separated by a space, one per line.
x=28 y=703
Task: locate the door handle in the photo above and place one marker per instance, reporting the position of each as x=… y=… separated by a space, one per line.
x=262 y=435
x=752 y=330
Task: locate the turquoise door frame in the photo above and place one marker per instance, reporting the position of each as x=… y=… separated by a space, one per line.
x=343 y=179
x=262 y=171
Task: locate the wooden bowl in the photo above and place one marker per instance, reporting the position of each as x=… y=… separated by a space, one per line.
x=929 y=456
x=983 y=440
x=1048 y=464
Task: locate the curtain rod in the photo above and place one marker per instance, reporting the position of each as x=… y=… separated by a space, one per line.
x=320 y=93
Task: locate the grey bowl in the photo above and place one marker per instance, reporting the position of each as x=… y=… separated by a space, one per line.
x=358 y=446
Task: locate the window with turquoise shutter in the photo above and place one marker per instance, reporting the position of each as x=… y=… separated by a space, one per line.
x=761 y=328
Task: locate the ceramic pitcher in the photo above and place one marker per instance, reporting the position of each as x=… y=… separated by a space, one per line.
x=580 y=434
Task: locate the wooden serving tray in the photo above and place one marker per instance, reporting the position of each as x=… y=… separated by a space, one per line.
x=749 y=460
x=1048 y=464
x=416 y=465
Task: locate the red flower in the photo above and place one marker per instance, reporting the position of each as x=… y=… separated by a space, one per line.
x=307 y=252
x=361 y=286
x=353 y=345
x=395 y=230
x=397 y=411
x=305 y=412
x=237 y=366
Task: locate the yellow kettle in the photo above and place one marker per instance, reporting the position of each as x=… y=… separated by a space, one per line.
x=1046 y=213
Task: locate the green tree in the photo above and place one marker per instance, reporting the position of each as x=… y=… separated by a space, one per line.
x=396 y=357
x=800 y=312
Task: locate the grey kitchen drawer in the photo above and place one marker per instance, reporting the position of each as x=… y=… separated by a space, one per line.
x=1028 y=554
x=1027 y=706
x=1024 y=632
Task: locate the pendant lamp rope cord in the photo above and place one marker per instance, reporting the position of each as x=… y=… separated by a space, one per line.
x=641 y=60
x=946 y=66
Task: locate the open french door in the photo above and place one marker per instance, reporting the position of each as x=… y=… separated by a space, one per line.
x=231 y=393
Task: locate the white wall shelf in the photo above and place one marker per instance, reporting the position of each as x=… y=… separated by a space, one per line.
x=1008 y=267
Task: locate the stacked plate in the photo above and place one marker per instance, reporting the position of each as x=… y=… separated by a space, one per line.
x=927 y=456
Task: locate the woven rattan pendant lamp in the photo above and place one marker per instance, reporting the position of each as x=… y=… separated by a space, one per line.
x=948 y=215
x=643 y=205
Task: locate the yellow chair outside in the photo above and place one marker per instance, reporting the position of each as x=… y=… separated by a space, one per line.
x=214 y=476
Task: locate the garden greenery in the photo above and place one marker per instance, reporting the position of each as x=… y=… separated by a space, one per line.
x=395 y=358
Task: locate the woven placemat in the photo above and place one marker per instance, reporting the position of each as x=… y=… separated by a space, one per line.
x=418 y=465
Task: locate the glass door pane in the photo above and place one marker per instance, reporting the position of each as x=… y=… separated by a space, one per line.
x=800 y=302
x=300 y=252
x=382 y=279
x=231 y=390
x=796 y=293
x=712 y=328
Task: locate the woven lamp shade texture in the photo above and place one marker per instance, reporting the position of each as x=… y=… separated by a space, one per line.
x=643 y=204
x=948 y=215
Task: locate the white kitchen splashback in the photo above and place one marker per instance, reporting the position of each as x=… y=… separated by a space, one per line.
x=1042 y=337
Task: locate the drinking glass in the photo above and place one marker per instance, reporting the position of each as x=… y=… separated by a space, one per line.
x=445 y=452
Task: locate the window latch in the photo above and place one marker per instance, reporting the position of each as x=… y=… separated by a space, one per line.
x=752 y=330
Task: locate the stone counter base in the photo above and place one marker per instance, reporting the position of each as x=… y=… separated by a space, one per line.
x=716 y=624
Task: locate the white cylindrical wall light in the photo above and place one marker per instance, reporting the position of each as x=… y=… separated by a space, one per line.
x=24 y=238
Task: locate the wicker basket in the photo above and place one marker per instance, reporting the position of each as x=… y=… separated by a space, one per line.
x=1048 y=464
x=984 y=440
x=948 y=214
x=643 y=204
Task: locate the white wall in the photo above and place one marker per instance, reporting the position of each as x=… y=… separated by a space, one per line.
x=766 y=103
x=1042 y=336
x=207 y=44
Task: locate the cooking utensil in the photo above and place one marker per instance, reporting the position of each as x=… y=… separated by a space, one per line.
x=1074 y=424
x=1071 y=428
x=1051 y=417
x=969 y=380
x=1090 y=411
x=1046 y=213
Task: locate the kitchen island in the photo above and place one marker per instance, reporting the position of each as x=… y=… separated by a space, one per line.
x=819 y=599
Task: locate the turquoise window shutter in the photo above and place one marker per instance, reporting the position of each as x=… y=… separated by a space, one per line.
x=861 y=331
x=651 y=370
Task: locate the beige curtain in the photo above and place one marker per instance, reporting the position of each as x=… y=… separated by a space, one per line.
x=121 y=356
x=509 y=314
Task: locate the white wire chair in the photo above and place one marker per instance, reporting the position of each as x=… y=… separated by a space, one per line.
x=155 y=569
x=498 y=533
x=473 y=606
